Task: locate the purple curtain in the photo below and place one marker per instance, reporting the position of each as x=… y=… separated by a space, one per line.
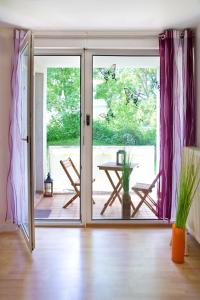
x=15 y=172
x=177 y=112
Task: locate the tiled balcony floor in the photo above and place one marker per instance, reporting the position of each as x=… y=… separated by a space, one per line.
x=52 y=208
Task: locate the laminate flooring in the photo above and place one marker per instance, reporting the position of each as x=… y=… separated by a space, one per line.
x=97 y=264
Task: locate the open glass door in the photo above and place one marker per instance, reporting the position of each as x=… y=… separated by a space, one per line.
x=25 y=84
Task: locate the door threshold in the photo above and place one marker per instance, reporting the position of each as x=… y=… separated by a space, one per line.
x=78 y=224
x=58 y=223
x=129 y=225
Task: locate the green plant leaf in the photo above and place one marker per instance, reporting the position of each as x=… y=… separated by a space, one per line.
x=188 y=183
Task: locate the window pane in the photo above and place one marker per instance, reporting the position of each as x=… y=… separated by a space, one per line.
x=125 y=101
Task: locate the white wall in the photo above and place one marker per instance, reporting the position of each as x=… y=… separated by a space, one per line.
x=198 y=82
x=193 y=221
x=5 y=95
x=40 y=138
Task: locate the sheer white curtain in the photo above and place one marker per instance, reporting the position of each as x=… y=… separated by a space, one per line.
x=15 y=186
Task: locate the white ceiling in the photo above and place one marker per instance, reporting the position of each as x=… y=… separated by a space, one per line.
x=100 y=14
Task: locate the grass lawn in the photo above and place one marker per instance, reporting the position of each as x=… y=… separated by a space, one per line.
x=67 y=142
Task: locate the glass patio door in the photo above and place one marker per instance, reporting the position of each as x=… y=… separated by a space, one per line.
x=25 y=69
x=122 y=97
x=97 y=103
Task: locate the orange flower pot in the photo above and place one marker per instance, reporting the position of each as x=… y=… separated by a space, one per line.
x=178 y=244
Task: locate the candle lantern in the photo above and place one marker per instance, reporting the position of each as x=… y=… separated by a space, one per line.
x=121 y=157
x=48 y=186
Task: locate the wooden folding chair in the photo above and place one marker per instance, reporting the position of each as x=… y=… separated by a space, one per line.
x=67 y=164
x=143 y=191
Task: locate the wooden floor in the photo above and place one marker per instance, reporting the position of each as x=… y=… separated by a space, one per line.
x=52 y=208
x=97 y=264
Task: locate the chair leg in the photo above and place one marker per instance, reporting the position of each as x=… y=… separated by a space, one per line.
x=74 y=198
x=133 y=206
x=142 y=199
x=150 y=207
x=71 y=200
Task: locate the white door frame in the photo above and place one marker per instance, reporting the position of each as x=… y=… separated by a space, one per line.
x=30 y=235
x=71 y=52
x=88 y=130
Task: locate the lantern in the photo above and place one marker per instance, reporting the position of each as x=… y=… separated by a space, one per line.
x=48 y=186
x=121 y=157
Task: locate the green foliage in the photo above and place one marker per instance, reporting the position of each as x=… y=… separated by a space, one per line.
x=129 y=121
x=106 y=134
x=188 y=184
x=63 y=90
x=63 y=104
x=130 y=118
x=141 y=80
x=126 y=172
x=64 y=126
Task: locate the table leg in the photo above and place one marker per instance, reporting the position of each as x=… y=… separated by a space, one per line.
x=115 y=188
x=107 y=202
x=120 y=188
x=120 y=179
x=114 y=193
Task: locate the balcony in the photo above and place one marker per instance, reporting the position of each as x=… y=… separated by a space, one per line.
x=52 y=207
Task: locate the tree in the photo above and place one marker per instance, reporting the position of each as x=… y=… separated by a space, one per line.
x=63 y=89
x=131 y=102
x=63 y=103
x=130 y=96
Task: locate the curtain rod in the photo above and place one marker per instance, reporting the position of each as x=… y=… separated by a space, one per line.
x=180 y=31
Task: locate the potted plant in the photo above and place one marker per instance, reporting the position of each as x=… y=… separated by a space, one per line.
x=126 y=198
x=188 y=184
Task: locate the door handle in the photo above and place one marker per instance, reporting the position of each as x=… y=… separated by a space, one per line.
x=25 y=139
x=88 y=120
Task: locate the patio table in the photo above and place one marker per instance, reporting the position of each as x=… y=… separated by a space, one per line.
x=111 y=168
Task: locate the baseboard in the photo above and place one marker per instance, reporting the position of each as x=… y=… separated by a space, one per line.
x=192 y=233
x=8 y=227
